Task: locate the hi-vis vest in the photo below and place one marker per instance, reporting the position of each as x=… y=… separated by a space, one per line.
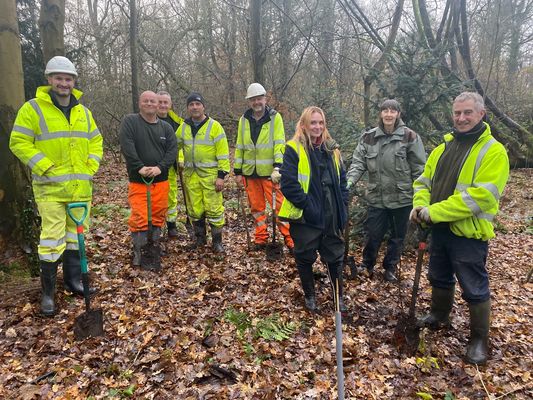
x=207 y=152
x=63 y=155
x=177 y=119
x=262 y=155
x=289 y=210
x=475 y=200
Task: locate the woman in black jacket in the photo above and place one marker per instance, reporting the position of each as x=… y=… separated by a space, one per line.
x=313 y=181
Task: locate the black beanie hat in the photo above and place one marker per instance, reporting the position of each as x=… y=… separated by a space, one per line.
x=195 y=96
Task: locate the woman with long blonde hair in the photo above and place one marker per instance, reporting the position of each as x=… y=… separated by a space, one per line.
x=313 y=181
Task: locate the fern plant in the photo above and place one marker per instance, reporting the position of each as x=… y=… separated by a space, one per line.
x=272 y=328
x=240 y=319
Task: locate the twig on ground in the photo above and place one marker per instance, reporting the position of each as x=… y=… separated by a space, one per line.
x=513 y=391
x=483 y=383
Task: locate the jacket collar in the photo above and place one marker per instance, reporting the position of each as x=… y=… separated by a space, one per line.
x=398 y=132
x=43 y=93
x=449 y=136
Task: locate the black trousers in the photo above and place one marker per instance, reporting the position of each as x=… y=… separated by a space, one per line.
x=378 y=222
x=455 y=256
x=308 y=241
x=328 y=243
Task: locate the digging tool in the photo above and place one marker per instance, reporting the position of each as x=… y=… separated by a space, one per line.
x=244 y=218
x=349 y=260
x=91 y=322
x=338 y=344
x=406 y=333
x=274 y=250
x=151 y=251
x=188 y=223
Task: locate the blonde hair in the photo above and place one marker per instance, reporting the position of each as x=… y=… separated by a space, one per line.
x=301 y=136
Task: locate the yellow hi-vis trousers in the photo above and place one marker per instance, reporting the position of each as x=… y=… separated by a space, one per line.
x=172 y=212
x=202 y=198
x=58 y=230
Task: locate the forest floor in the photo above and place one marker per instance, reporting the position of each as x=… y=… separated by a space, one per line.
x=234 y=326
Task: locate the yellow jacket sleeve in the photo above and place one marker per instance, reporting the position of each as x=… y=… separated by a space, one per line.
x=22 y=141
x=279 y=139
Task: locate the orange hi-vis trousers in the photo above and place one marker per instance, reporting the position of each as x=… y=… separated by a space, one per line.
x=137 y=199
x=257 y=190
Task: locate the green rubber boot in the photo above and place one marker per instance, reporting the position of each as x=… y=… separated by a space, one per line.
x=441 y=307
x=477 y=351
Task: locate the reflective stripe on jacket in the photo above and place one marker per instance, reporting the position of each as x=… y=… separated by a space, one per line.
x=62 y=155
x=260 y=156
x=288 y=210
x=207 y=152
x=474 y=203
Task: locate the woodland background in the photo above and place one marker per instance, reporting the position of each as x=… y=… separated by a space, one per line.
x=343 y=55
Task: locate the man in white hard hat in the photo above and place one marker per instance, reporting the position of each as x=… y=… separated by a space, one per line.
x=258 y=157
x=57 y=138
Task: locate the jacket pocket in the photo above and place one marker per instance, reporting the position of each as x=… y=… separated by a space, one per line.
x=312 y=211
x=400 y=161
x=372 y=193
x=405 y=192
x=371 y=162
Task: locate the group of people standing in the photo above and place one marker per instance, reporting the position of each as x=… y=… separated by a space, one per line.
x=456 y=192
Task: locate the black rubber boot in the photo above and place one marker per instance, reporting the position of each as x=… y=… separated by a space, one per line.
x=389 y=275
x=172 y=230
x=441 y=307
x=139 y=239
x=216 y=235
x=48 y=287
x=335 y=274
x=199 y=234
x=72 y=272
x=477 y=351
x=308 y=285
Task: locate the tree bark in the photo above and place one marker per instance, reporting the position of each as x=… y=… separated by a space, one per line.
x=134 y=56
x=16 y=212
x=256 y=41
x=51 y=25
x=97 y=25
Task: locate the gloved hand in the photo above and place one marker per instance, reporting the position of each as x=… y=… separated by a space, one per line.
x=275 y=176
x=420 y=215
x=349 y=185
x=423 y=215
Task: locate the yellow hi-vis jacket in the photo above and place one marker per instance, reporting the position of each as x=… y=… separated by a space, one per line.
x=262 y=155
x=208 y=151
x=289 y=211
x=475 y=201
x=177 y=119
x=63 y=155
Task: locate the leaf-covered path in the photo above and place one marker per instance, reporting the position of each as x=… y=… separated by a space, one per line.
x=234 y=327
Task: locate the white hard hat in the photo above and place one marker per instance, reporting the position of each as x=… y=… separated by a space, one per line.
x=255 y=89
x=60 y=65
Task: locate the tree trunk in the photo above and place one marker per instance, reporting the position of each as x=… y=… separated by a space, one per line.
x=134 y=56
x=51 y=25
x=256 y=42
x=104 y=68
x=16 y=212
x=284 y=49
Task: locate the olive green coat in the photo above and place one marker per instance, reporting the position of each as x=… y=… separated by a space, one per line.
x=393 y=162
